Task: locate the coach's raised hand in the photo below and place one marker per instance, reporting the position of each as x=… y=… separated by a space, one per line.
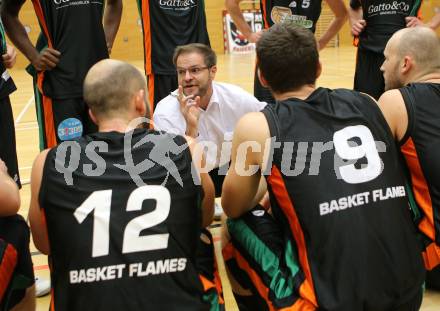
x=189 y=106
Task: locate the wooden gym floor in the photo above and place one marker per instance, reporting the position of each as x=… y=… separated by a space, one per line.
x=338 y=69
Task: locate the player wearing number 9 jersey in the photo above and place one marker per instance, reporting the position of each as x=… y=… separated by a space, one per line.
x=120 y=211
x=346 y=239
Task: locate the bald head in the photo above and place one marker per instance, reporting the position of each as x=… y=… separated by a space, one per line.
x=419 y=43
x=110 y=86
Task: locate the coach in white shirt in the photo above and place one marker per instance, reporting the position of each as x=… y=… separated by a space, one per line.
x=202 y=108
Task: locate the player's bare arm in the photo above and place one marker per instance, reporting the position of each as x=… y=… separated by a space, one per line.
x=340 y=12
x=38 y=227
x=9 y=195
x=206 y=182
x=356 y=20
x=435 y=21
x=233 y=7
x=413 y=21
x=393 y=108
x=47 y=59
x=112 y=19
x=243 y=188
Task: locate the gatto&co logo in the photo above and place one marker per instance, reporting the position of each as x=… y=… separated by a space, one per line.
x=177 y=4
x=67 y=3
x=388 y=7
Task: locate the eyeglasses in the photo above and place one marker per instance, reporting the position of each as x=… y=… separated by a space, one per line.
x=193 y=71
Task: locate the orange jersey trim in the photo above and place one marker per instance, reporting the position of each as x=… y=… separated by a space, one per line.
x=147 y=36
x=52 y=298
x=431 y=255
x=281 y=195
x=420 y=188
x=49 y=125
x=263 y=5
x=207 y=285
x=7 y=267
x=419 y=12
x=356 y=41
x=150 y=85
x=230 y=252
x=300 y=304
x=39 y=11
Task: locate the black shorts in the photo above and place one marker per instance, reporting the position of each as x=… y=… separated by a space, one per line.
x=62 y=119
x=263 y=261
x=368 y=78
x=159 y=87
x=260 y=261
x=8 y=152
x=207 y=268
x=433 y=279
x=16 y=268
x=262 y=93
x=218 y=177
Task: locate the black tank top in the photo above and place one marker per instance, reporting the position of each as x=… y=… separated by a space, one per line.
x=73 y=27
x=167 y=24
x=121 y=241
x=421 y=149
x=303 y=12
x=338 y=190
x=383 y=18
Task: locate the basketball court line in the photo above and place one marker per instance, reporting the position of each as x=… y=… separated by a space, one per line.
x=31 y=127
x=24 y=110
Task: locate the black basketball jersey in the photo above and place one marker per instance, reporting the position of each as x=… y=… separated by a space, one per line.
x=421 y=150
x=167 y=24
x=303 y=12
x=75 y=29
x=123 y=226
x=337 y=188
x=7 y=85
x=383 y=18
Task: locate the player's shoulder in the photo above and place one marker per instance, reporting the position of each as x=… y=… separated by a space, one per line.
x=252 y=126
x=390 y=100
x=348 y=93
x=353 y=97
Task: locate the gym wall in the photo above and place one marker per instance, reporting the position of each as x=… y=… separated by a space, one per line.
x=128 y=44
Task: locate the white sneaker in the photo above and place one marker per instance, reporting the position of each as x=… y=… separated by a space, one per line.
x=42 y=287
x=218 y=211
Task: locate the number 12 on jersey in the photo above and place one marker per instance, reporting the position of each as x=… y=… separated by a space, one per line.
x=99 y=202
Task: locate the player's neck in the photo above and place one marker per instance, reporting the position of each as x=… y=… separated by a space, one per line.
x=114 y=125
x=432 y=77
x=301 y=93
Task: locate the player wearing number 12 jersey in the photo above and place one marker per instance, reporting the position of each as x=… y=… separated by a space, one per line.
x=336 y=189
x=120 y=211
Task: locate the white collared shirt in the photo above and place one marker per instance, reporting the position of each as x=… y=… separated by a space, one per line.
x=227 y=105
